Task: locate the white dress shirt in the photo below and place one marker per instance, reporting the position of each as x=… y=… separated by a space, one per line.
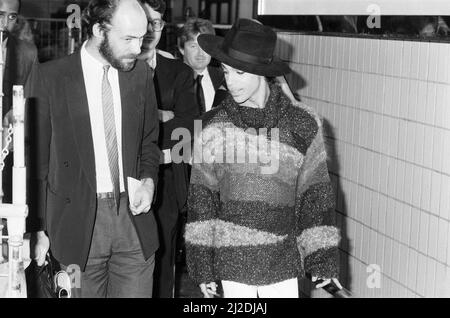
x=93 y=76
x=208 y=89
x=4 y=53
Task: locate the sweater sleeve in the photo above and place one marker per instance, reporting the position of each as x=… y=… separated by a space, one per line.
x=317 y=236
x=203 y=207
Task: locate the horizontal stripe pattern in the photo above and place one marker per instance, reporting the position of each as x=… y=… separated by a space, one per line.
x=316 y=173
x=205 y=175
x=254 y=227
x=319 y=237
x=316 y=206
x=251 y=265
x=225 y=143
x=250 y=187
x=218 y=233
x=260 y=216
x=323 y=263
x=203 y=203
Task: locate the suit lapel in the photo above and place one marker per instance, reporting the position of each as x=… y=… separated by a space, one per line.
x=78 y=108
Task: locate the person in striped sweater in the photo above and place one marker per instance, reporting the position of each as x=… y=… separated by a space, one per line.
x=260 y=203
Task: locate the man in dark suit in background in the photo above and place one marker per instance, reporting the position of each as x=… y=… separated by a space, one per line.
x=96 y=124
x=18 y=57
x=209 y=79
x=174 y=87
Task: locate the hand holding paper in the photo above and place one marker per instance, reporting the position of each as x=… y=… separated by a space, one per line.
x=141 y=195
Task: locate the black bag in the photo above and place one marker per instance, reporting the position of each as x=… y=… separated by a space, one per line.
x=40 y=279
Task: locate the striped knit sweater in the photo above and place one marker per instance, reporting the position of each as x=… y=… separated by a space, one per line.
x=250 y=226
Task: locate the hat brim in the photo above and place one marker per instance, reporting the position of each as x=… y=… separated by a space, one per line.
x=212 y=45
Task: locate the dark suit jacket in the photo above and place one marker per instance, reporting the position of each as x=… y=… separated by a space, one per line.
x=219 y=84
x=20 y=57
x=174 y=87
x=65 y=163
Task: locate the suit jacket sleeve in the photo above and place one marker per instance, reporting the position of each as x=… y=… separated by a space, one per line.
x=150 y=153
x=185 y=104
x=39 y=125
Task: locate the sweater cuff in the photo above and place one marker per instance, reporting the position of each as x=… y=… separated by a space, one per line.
x=200 y=263
x=323 y=263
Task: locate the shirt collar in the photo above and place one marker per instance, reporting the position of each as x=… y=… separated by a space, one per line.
x=5 y=43
x=90 y=60
x=205 y=73
x=152 y=63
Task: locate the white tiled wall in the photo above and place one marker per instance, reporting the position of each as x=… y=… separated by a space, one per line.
x=386 y=107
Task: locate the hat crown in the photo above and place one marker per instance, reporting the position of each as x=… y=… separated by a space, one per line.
x=248 y=46
x=245 y=38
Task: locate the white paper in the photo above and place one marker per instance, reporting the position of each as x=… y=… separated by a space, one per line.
x=133 y=185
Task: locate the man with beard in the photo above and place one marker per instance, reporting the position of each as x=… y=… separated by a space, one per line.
x=97 y=124
x=174 y=86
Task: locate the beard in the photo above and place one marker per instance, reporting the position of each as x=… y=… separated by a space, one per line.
x=117 y=62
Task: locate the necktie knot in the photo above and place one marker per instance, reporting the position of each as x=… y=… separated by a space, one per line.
x=106 y=69
x=199 y=78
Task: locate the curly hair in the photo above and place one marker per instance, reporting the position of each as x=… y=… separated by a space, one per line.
x=157 y=5
x=99 y=11
x=192 y=27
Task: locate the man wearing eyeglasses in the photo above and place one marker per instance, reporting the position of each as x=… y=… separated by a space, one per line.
x=177 y=105
x=18 y=59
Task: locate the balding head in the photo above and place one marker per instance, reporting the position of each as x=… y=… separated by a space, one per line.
x=102 y=12
x=130 y=17
x=116 y=33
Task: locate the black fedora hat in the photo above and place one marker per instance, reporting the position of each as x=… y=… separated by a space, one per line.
x=248 y=46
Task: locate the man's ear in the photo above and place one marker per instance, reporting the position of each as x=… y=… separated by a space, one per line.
x=97 y=31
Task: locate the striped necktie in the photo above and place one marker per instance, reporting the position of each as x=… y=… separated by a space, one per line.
x=110 y=134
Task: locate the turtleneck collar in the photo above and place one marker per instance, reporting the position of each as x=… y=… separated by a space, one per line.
x=267 y=117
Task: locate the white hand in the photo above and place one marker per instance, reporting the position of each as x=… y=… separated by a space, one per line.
x=41 y=248
x=209 y=290
x=326 y=282
x=166 y=115
x=143 y=198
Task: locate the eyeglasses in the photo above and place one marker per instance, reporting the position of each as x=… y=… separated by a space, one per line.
x=9 y=16
x=157 y=24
